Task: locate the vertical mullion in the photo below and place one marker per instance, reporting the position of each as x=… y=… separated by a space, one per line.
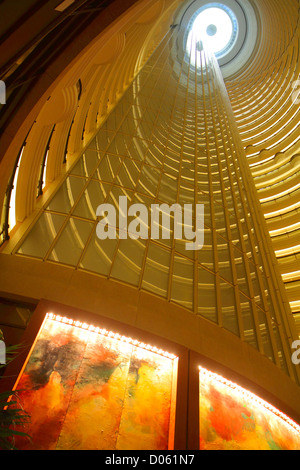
x=196 y=253
x=227 y=221
x=135 y=190
x=254 y=308
x=240 y=231
x=180 y=168
x=204 y=69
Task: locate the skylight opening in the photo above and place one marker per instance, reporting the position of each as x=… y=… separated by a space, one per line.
x=213 y=27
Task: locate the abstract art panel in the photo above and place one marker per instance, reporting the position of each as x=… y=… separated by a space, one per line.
x=86 y=388
x=231 y=418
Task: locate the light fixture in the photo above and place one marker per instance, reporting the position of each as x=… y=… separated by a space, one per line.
x=242 y=392
x=109 y=334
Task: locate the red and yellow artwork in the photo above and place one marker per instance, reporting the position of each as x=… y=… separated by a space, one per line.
x=231 y=418
x=89 y=389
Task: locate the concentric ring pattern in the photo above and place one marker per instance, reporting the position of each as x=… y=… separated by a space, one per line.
x=265 y=100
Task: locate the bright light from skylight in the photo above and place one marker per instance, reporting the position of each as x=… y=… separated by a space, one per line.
x=215 y=28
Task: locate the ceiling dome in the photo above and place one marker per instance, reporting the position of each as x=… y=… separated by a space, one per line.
x=229 y=29
x=216 y=25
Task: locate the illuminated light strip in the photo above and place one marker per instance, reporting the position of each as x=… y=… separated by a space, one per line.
x=109 y=334
x=291 y=276
x=12 y=203
x=283 y=193
x=295 y=305
x=284 y=230
x=288 y=251
x=260 y=162
x=285 y=137
x=275 y=133
x=252 y=397
x=270 y=148
x=290 y=145
x=283 y=211
x=270 y=126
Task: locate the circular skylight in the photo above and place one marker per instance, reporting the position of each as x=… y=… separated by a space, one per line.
x=233 y=39
x=211 y=30
x=215 y=26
